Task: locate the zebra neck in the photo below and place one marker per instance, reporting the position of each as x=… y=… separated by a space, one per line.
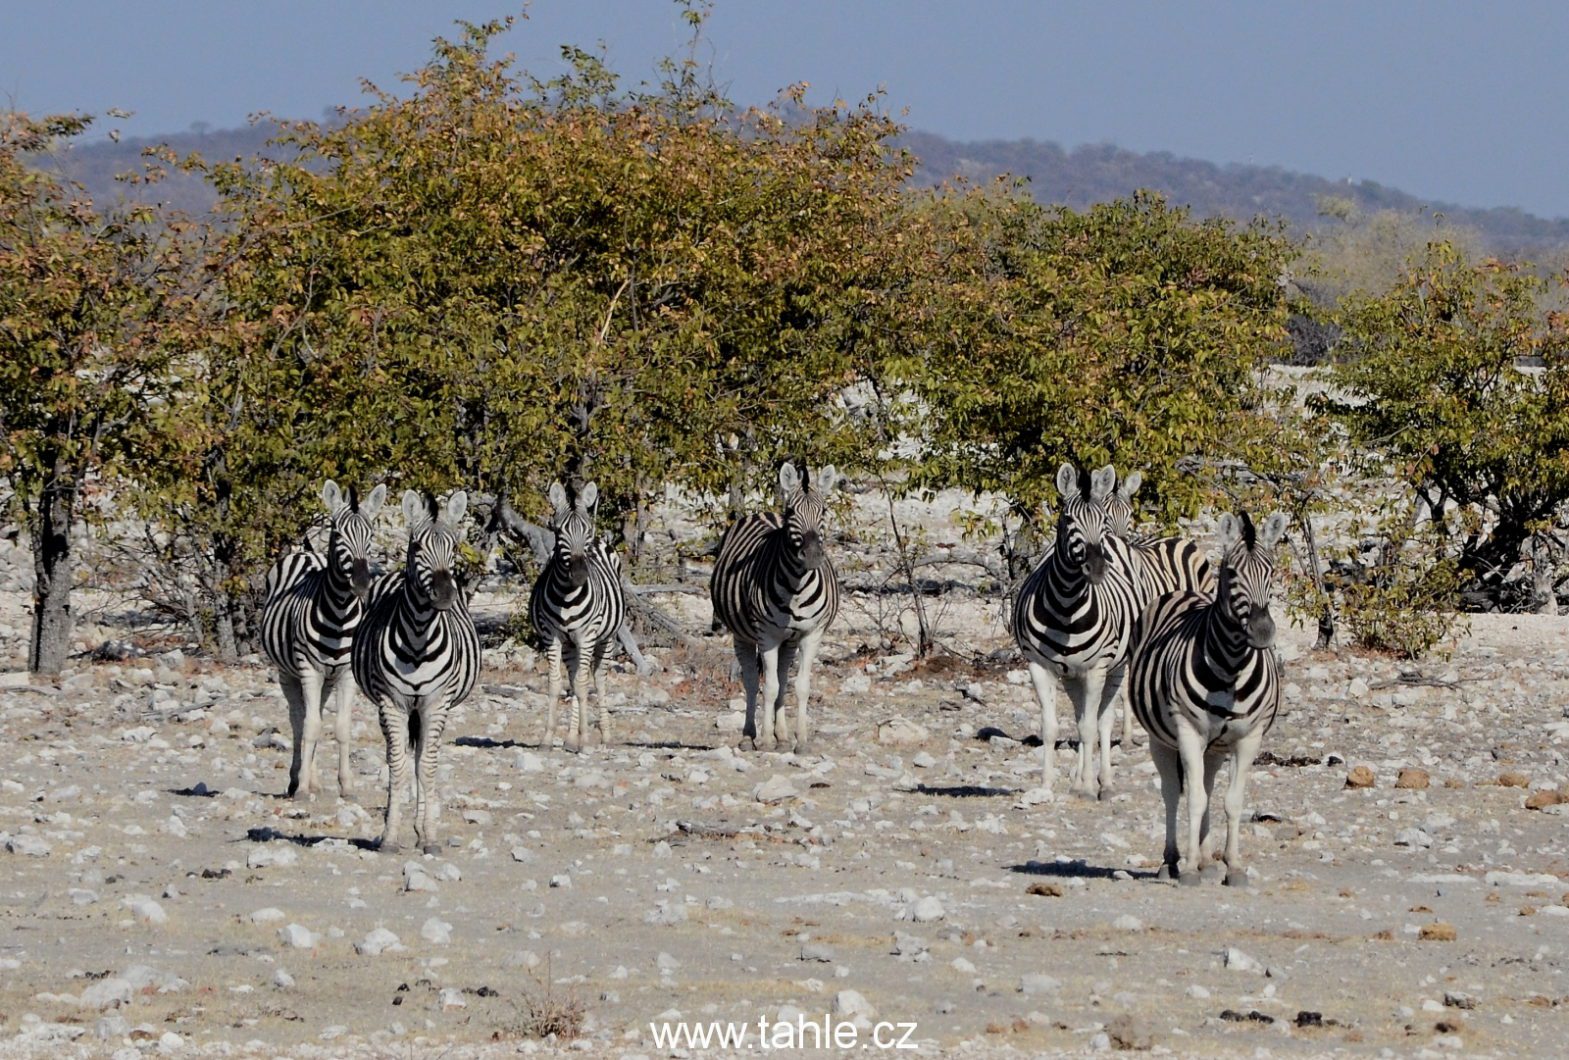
x=418 y=615
x=1068 y=582
x=338 y=590
x=1225 y=643
x=791 y=572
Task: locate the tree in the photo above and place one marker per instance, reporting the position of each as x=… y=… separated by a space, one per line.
x=1434 y=387
x=498 y=282
x=91 y=303
x=1128 y=333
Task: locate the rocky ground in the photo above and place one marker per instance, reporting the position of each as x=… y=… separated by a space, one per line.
x=158 y=895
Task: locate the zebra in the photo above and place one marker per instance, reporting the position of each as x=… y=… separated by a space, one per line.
x=1206 y=686
x=576 y=608
x=314 y=604
x=1073 y=619
x=775 y=590
x=1164 y=565
x=417 y=656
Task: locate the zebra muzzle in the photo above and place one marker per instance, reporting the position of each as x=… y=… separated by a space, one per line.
x=1261 y=629
x=443 y=590
x=359 y=579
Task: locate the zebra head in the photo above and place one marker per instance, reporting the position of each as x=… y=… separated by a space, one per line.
x=573 y=524
x=1119 y=506
x=1247 y=567
x=433 y=547
x=1082 y=522
x=803 y=506
x=348 y=547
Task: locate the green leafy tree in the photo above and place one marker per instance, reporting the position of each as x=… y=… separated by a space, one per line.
x=92 y=301
x=1128 y=333
x=495 y=281
x=1456 y=384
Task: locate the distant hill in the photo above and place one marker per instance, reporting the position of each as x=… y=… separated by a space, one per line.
x=1077 y=178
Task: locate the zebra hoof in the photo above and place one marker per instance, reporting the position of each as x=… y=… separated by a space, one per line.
x=573 y=746
x=1236 y=878
x=747 y=743
x=430 y=848
x=1192 y=879
x=1104 y=795
x=388 y=846
x=1167 y=872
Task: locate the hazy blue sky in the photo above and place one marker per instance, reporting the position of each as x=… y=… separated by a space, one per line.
x=1462 y=102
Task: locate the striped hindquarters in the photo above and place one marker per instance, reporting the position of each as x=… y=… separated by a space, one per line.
x=1170 y=565
x=762 y=590
x=306 y=627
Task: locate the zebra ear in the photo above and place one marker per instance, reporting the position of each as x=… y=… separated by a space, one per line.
x=1102 y=483
x=789 y=478
x=372 y=504
x=826 y=479
x=1273 y=530
x=558 y=497
x=415 y=514
x=457 y=504
x=587 y=497
x=1230 y=532
x=1067 y=482
x=332 y=497
x=1130 y=485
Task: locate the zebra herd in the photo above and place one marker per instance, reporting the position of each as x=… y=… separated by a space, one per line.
x=1103 y=606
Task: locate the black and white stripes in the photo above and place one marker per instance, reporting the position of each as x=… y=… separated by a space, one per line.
x=775 y=590
x=313 y=606
x=576 y=608
x=417 y=656
x=1161 y=565
x=1206 y=686
x=1072 y=620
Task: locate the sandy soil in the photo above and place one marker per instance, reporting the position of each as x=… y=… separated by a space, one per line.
x=159 y=896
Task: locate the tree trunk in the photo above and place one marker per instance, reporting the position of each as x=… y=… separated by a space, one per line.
x=227 y=645
x=53 y=571
x=1543 y=574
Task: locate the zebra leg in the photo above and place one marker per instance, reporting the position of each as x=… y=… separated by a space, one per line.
x=549 y=739
x=781 y=715
x=1107 y=715
x=803 y=689
x=766 y=729
x=343 y=723
x=395 y=728
x=746 y=659
x=577 y=681
x=1127 y=723
x=1241 y=765
x=433 y=719
x=1190 y=745
x=1168 y=764
x=311 y=686
x=1046 y=692
x=1084 y=693
x=601 y=648
x=1212 y=762
x=294 y=696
